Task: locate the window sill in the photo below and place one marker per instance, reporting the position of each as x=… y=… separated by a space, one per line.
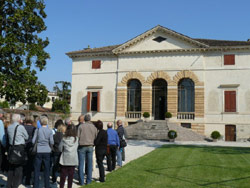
x=229 y=112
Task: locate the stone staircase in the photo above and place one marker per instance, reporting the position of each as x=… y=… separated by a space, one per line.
x=158 y=130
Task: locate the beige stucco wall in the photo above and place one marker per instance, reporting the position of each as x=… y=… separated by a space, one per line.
x=103 y=79
x=207 y=67
x=216 y=74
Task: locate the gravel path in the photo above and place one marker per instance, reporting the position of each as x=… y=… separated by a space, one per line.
x=138 y=148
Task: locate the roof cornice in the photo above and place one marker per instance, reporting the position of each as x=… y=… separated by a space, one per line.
x=186 y=50
x=222 y=49
x=95 y=54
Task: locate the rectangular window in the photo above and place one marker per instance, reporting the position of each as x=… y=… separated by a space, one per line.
x=230 y=101
x=93 y=101
x=186 y=125
x=229 y=59
x=96 y=64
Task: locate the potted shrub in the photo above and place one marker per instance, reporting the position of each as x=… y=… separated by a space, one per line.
x=146 y=116
x=172 y=134
x=215 y=135
x=168 y=115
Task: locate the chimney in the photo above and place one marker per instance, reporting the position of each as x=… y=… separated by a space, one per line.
x=87 y=47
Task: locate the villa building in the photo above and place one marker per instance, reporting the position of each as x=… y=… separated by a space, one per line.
x=204 y=83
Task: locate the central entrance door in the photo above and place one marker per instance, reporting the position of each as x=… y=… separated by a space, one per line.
x=159 y=99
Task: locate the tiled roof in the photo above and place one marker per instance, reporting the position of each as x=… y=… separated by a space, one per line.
x=94 y=50
x=213 y=43
x=201 y=43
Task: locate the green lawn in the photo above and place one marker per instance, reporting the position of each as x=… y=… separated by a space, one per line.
x=184 y=166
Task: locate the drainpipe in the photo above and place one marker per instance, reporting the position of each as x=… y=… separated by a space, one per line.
x=117 y=68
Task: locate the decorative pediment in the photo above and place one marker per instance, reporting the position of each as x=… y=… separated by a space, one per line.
x=159 y=38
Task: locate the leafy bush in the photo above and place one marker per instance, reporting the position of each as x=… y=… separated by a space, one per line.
x=215 y=135
x=61 y=106
x=32 y=106
x=168 y=115
x=172 y=134
x=146 y=114
x=4 y=104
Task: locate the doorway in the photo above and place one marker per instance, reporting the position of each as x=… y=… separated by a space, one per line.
x=230 y=133
x=159 y=99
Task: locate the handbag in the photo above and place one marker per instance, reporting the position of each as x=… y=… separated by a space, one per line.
x=33 y=149
x=123 y=143
x=17 y=154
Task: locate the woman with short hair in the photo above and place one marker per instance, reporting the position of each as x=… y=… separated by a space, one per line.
x=44 y=143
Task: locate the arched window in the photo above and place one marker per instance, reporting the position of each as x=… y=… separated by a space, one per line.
x=134 y=96
x=186 y=95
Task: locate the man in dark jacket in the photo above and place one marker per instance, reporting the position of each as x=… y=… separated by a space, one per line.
x=121 y=151
x=101 y=148
x=28 y=169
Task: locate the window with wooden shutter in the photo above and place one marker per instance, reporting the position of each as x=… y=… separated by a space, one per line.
x=230 y=101
x=93 y=101
x=229 y=59
x=96 y=64
x=98 y=101
x=88 y=101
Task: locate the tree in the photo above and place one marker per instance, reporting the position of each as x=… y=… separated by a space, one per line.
x=61 y=106
x=22 y=50
x=62 y=89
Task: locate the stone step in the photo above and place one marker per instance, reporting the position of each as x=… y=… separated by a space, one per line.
x=158 y=130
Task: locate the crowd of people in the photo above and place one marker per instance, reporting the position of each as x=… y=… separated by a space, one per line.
x=59 y=151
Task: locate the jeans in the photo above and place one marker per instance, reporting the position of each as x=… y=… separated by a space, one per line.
x=100 y=154
x=15 y=175
x=85 y=152
x=119 y=156
x=45 y=158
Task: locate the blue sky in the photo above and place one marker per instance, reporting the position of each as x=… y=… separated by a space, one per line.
x=75 y=24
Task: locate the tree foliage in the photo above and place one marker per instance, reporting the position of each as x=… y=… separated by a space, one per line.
x=4 y=104
x=22 y=50
x=62 y=89
x=61 y=106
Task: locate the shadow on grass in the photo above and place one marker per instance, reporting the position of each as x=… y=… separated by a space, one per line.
x=213 y=149
x=197 y=181
x=148 y=143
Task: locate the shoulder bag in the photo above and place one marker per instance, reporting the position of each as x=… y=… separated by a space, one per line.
x=123 y=143
x=33 y=149
x=17 y=154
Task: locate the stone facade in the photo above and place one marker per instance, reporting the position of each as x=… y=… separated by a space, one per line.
x=33 y=115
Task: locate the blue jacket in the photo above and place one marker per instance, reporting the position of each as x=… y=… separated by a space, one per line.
x=2 y=134
x=113 y=138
